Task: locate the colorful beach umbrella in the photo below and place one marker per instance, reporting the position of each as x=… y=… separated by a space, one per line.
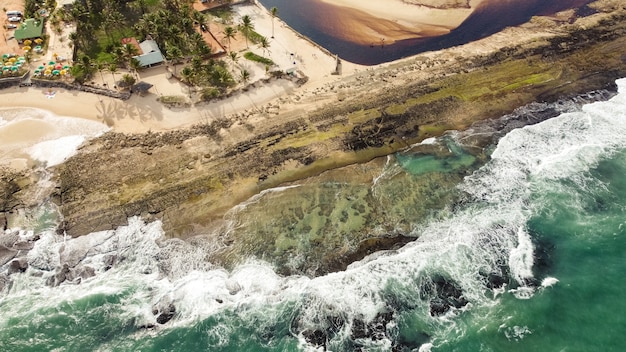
x=12 y=59
x=41 y=67
x=38 y=40
x=66 y=67
x=26 y=48
x=5 y=56
x=28 y=42
x=63 y=72
x=14 y=68
x=51 y=63
x=5 y=68
x=56 y=72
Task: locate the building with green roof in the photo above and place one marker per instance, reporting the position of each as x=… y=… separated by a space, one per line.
x=30 y=29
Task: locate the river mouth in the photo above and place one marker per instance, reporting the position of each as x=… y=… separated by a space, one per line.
x=355 y=34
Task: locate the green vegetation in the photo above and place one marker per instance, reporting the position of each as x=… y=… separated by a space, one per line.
x=173 y=24
x=256 y=58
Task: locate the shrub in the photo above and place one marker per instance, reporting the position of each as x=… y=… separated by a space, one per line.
x=257 y=58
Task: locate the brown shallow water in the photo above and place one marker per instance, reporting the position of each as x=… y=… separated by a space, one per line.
x=336 y=28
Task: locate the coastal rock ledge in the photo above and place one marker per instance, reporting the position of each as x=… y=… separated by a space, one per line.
x=189 y=178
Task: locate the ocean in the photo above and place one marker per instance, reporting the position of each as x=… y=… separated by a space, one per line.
x=527 y=255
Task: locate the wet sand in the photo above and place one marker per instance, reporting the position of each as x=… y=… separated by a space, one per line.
x=374 y=23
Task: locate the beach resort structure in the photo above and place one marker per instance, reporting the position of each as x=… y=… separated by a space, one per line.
x=30 y=29
x=149 y=52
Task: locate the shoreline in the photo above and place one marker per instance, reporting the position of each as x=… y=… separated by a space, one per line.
x=330 y=123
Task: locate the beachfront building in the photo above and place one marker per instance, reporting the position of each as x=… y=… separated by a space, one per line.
x=150 y=54
x=30 y=29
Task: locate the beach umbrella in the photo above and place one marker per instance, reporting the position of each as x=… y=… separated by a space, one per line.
x=26 y=48
x=5 y=56
x=28 y=42
x=38 y=40
x=58 y=66
x=41 y=67
x=8 y=63
x=21 y=58
x=56 y=72
x=47 y=72
x=14 y=68
x=12 y=59
x=51 y=63
x=63 y=72
x=5 y=68
x=66 y=67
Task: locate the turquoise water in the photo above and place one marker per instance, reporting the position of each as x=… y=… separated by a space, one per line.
x=531 y=259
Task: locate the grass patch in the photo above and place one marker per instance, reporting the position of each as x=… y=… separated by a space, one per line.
x=257 y=58
x=225 y=13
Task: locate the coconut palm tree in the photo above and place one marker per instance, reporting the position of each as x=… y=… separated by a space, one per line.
x=99 y=66
x=264 y=43
x=245 y=76
x=246 y=26
x=187 y=75
x=233 y=56
x=113 y=68
x=274 y=13
x=229 y=32
x=135 y=65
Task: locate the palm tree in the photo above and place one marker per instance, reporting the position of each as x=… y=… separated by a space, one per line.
x=113 y=69
x=245 y=76
x=187 y=75
x=264 y=44
x=99 y=66
x=174 y=54
x=273 y=12
x=135 y=65
x=246 y=26
x=229 y=32
x=233 y=56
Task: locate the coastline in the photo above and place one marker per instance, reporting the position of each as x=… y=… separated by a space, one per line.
x=329 y=123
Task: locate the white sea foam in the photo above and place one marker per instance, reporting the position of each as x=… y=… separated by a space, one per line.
x=549 y=281
x=477 y=239
x=42 y=135
x=56 y=151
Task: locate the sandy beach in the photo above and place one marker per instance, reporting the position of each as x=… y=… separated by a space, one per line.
x=370 y=22
x=144 y=113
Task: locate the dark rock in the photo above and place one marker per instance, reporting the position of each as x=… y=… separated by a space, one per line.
x=6 y=254
x=446 y=294
x=3 y=222
x=60 y=276
x=4 y=282
x=81 y=273
x=374 y=330
x=109 y=260
x=18 y=265
x=315 y=337
x=8 y=240
x=24 y=245
x=165 y=314
x=496 y=280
